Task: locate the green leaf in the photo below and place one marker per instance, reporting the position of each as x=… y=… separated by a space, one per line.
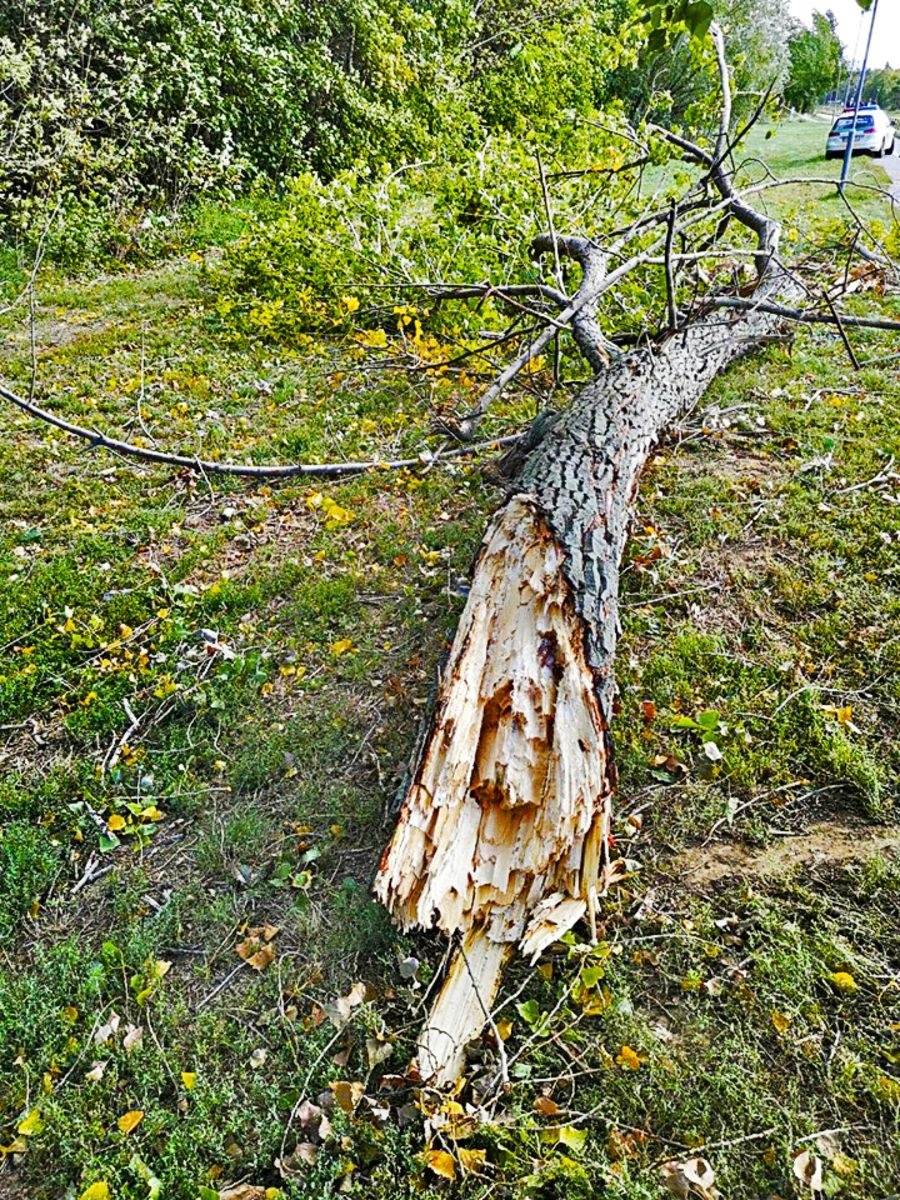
x=682 y=722
x=591 y=976
x=566 y=1135
x=698 y=18
x=530 y=1012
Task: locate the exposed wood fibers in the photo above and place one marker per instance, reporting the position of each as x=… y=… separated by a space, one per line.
x=503 y=833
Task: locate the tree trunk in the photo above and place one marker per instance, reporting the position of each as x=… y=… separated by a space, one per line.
x=503 y=835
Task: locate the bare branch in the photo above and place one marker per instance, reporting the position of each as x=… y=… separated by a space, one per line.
x=471 y=291
x=841 y=330
x=289 y=471
x=725 y=84
x=557 y=271
x=805 y=317
x=588 y=335
x=670 y=275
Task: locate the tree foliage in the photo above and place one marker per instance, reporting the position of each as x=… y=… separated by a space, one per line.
x=816 y=60
x=675 y=80
x=114 y=104
x=884 y=87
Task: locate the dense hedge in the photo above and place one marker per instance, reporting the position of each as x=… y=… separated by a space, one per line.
x=129 y=100
x=110 y=109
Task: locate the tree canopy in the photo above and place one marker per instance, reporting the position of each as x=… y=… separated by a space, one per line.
x=816 y=60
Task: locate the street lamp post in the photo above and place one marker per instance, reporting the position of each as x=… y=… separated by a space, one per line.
x=848 y=153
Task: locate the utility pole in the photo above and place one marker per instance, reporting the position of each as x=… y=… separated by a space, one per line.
x=848 y=153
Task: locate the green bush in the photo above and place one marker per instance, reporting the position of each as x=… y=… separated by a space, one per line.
x=107 y=108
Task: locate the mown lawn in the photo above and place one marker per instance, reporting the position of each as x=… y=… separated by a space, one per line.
x=209 y=692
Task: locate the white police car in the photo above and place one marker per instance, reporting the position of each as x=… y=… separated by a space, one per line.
x=874 y=132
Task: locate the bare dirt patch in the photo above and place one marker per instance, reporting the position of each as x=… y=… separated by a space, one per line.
x=825 y=843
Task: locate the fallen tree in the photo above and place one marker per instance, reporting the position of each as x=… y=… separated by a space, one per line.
x=503 y=837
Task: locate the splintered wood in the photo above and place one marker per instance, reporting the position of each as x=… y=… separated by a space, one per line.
x=503 y=833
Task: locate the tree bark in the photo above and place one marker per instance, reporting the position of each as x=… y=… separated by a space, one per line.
x=503 y=836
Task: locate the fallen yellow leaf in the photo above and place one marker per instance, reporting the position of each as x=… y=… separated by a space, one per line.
x=844 y=981
x=780 y=1021
x=188 y=1078
x=628 y=1058
x=341 y=647
x=116 y=822
x=255 y=953
x=97 y=1191
x=472 y=1160
x=31 y=1124
x=347 y=1095
x=441 y=1163
x=130 y=1120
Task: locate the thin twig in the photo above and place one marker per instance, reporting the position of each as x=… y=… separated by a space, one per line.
x=220 y=986
x=841 y=330
x=557 y=266
x=670 y=275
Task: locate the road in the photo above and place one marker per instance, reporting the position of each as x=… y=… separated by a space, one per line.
x=892 y=165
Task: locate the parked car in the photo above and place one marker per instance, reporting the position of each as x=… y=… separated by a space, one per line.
x=874 y=134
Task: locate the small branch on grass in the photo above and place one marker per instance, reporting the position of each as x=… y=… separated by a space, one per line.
x=306 y=470
x=887 y=474
x=841 y=330
x=115 y=751
x=92 y=871
x=220 y=987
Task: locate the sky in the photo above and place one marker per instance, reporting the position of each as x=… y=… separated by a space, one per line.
x=885 y=40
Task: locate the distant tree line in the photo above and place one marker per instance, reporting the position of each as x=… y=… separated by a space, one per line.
x=884 y=87
x=816 y=59
x=114 y=106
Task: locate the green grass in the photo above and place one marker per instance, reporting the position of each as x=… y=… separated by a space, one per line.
x=160 y=799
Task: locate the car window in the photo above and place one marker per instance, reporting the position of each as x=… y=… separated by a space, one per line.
x=862 y=122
